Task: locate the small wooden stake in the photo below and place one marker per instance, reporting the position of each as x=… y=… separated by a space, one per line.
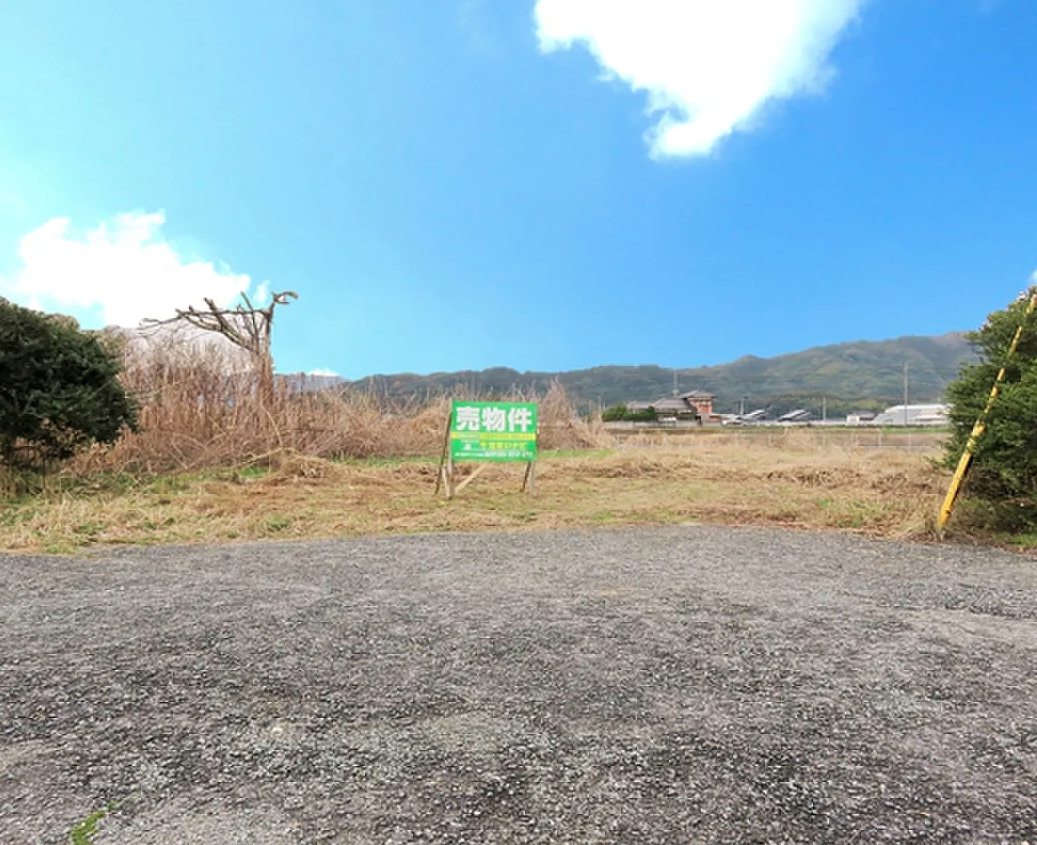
x=529 y=483
x=441 y=476
x=449 y=476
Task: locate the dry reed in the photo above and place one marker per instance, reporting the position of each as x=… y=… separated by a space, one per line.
x=199 y=408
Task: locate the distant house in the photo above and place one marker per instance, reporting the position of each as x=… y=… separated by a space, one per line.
x=688 y=406
x=701 y=401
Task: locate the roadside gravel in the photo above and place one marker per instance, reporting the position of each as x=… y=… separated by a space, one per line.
x=682 y=685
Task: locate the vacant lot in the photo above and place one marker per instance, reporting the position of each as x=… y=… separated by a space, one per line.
x=870 y=482
x=681 y=685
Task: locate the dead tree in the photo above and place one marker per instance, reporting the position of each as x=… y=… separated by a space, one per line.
x=246 y=326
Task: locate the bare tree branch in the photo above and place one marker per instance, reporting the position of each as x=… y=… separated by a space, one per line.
x=246 y=326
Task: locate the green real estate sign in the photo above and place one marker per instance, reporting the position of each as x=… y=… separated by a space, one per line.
x=493 y=431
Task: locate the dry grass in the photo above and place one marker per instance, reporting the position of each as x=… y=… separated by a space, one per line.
x=212 y=464
x=199 y=410
x=802 y=479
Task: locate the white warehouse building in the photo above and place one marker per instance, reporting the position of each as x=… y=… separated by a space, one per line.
x=913 y=415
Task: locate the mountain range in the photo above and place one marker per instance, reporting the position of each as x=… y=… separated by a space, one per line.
x=859 y=375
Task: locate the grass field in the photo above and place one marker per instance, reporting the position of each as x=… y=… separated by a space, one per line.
x=877 y=483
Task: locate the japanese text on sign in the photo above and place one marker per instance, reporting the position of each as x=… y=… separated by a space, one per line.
x=493 y=431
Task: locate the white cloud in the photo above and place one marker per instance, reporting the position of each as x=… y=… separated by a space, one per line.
x=124 y=269
x=707 y=66
x=324 y=373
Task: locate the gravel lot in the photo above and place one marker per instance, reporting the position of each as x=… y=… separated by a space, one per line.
x=691 y=685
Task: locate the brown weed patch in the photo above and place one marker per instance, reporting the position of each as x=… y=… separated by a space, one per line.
x=285 y=493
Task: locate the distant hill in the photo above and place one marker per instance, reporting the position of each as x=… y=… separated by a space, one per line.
x=860 y=374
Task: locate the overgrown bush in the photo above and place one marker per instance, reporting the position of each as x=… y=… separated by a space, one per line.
x=59 y=389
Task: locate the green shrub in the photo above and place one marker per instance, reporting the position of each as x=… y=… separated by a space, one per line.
x=1004 y=469
x=618 y=413
x=59 y=389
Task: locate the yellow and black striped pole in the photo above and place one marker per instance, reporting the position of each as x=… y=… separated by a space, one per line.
x=981 y=423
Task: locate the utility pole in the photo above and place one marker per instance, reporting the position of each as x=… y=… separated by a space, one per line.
x=741 y=409
x=675 y=390
x=824 y=409
x=905 y=392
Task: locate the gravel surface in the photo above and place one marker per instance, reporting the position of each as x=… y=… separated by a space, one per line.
x=691 y=685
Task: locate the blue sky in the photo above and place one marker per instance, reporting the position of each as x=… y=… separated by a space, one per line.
x=541 y=184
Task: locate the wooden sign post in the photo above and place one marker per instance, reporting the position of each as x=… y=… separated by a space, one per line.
x=488 y=432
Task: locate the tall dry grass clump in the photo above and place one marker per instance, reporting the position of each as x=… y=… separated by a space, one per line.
x=562 y=428
x=199 y=407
